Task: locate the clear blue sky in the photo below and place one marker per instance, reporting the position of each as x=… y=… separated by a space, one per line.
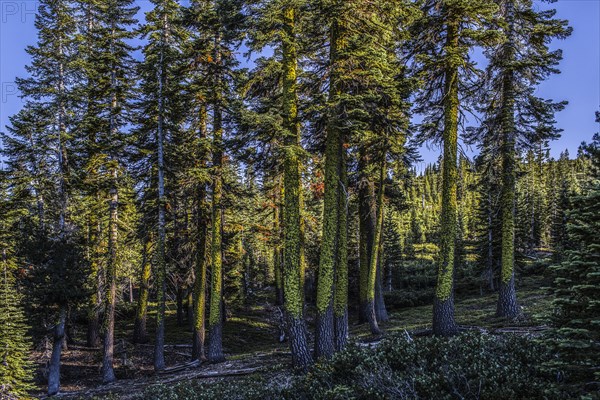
x=579 y=82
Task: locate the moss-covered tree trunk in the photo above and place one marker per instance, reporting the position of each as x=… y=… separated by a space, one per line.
x=380 y=310
x=373 y=261
x=324 y=339
x=200 y=284
x=139 y=327
x=507 y=297
x=340 y=301
x=278 y=248
x=215 y=316
x=292 y=268
x=325 y=329
x=161 y=262
x=366 y=215
x=443 y=306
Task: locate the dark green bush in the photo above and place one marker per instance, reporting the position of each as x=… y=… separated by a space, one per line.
x=468 y=366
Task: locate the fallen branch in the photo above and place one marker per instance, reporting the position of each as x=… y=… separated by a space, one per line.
x=175 y=346
x=215 y=374
x=193 y=364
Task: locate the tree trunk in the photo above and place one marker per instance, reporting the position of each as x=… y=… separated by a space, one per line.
x=189 y=308
x=330 y=242
x=93 y=327
x=179 y=299
x=366 y=215
x=95 y=302
x=490 y=242
x=139 y=327
x=54 y=366
x=380 y=310
x=443 y=306
x=278 y=256
x=341 y=273
x=292 y=237
x=201 y=258
x=373 y=262
x=161 y=263
x=108 y=374
x=215 y=319
x=507 y=297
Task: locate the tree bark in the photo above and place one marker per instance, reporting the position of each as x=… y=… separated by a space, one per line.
x=139 y=327
x=161 y=267
x=374 y=261
x=341 y=273
x=292 y=237
x=443 y=306
x=366 y=215
x=215 y=320
x=108 y=374
x=507 y=297
x=200 y=284
x=278 y=248
x=380 y=310
x=54 y=366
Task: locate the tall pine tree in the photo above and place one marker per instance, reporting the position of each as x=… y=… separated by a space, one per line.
x=514 y=116
x=442 y=41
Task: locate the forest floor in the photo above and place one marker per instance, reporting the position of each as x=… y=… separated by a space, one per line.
x=251 y=343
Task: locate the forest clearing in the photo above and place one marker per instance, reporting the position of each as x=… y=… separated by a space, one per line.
x=300 y=199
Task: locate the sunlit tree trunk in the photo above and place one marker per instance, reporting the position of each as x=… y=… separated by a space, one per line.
x=292 y=238
x=443 y=307
x=200 y=284
x=215 y=318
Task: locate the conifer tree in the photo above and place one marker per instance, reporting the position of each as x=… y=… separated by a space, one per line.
x=515 y=117
x=219 y=26
x=41 y=130
x=160 y=118
x=15 y=367
x=366 y=108
x=139 y=325
x=443 y=38
x=279 y=24
x=577 y=280
x=196 y=53
x=108 y=67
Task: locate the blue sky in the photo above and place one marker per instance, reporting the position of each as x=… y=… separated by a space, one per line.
x=579 y=82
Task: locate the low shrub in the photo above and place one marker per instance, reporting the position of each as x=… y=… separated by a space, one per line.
x=467 y=366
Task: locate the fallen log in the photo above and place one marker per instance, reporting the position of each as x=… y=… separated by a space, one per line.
x=193 y=364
